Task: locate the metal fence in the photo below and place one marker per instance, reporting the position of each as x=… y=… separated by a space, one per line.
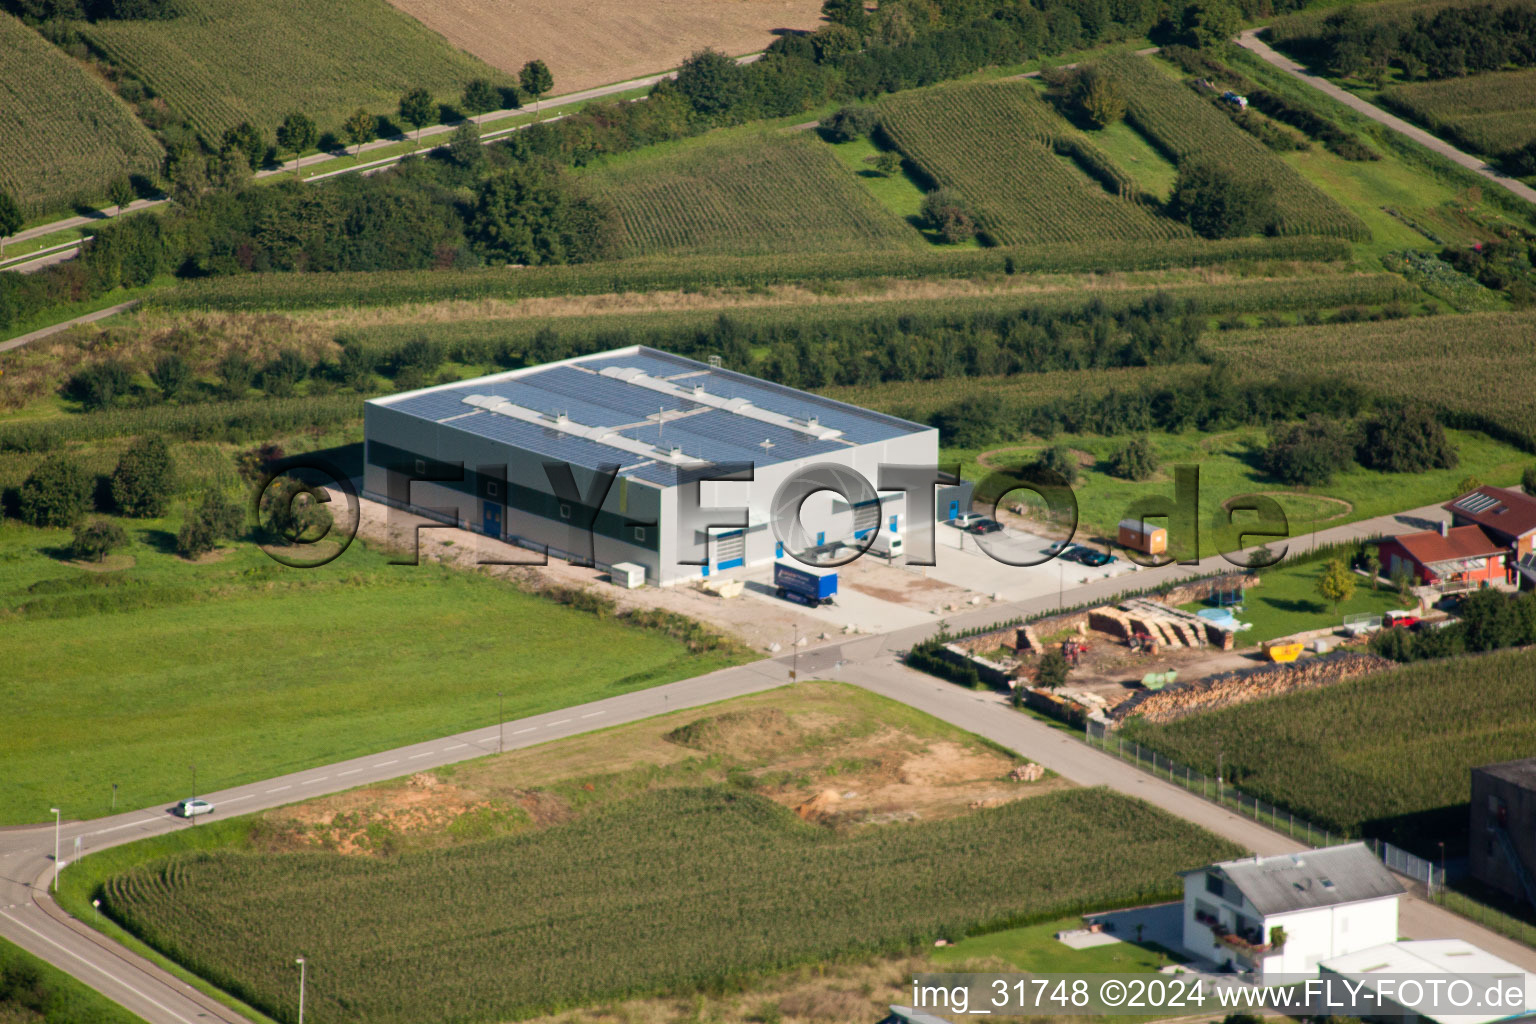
x=1409 y=865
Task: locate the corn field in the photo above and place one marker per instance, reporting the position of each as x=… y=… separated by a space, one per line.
x=767 y=193
x=1028 y=175
x=1386 y=755
x=664 y=893
x=1185 y=126
x=1490 y=114
x=218 y=64
x=1461 y=365
x=63 y=136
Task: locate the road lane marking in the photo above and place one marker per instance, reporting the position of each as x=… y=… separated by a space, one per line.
x=424 y=753
x=385 y=764
x=234 y=799
x=593 y=714
x=350 y=771
x=521 y=731
x=101 y=970
x=551 y=725
x=311 y=782
x=456 y=746
x=279 y=789
x=115 y=828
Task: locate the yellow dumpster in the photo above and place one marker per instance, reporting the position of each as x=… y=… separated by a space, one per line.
x=1288 y=651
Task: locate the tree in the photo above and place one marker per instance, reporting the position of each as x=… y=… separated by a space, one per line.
x=120 y=193
x=849 y=123
x=10 y=218
x=145 y=478
x=1099 y=98
x=295 y=135
x=1405 y=440
x=1528 y=480
x=291 y=511
x=246 y=140
x=188 y=171
x=1210 y=23
x=417 y=109
x=255 y=463
x=1489 y=620
x=356 y=367
x=536 y=80
x=480 y=96
x=1402 y=582
x=1055 y=464
x=531 y=216
x=238 y=373
x=886 y=163
x=98 y=385
x=57 y=493
x=1466 y=485
x=846 y=12
x=1373 y=564
x=1051 y=672
x=712 y=83
x=464 y=147
x=229 y=170
x=947 y=213
x=283 y=374
x=97 y=539
x=1218 y=201
x=215 y=519
x=1336 y=584
x=360 y=127
x=1308 y=453
x=171 y=375
x=1136 y=460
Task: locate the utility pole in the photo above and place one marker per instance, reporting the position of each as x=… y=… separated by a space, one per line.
x=1218 y=776
x=794 y=673
x=300 y=962
x=114 y=798
x=55 y=811
x=194 y=795
x=499 y=719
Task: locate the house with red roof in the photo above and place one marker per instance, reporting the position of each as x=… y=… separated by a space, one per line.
x=1506 y=514
x=1451 y=558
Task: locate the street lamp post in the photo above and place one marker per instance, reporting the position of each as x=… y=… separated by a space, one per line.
x=55 y=812
x=300 y=962
x=194 y=792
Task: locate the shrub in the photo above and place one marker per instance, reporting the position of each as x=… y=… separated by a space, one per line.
x=1219 y=202
x=290 y=511
x=237 y=373
x=171 y=375
x=1406 y=440
x=283 y=374
x=100 y=384
x=1052 y=670
x=947 y=213
x=850 y=123
x=145 y=478
x=1055 y=464
x=57 y=493
x=97 y=539
x=255 y=463
x=1309 y=453
x=1134 y=461
x=216 y=518
x=1528 y=480
x=1099 y=99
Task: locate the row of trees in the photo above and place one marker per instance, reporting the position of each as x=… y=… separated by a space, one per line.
x=1448 y=43
x=1405 y=439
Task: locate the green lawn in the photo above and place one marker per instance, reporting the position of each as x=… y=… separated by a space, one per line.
x=1229 y=466
x=1286 y=602
x=248 y=669
x=33 y=991
x=901 y=193
x=1137 y=157
x=1036 y=948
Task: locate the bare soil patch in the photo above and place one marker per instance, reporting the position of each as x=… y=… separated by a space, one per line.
x=588 y=43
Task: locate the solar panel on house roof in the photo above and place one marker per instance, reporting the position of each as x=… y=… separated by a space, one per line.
x=1477 y=501
x=719 y=436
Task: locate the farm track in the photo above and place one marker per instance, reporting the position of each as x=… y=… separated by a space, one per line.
x=29 y=917
x=1250 y=41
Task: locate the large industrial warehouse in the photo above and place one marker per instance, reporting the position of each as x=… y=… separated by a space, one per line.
x=486 y=449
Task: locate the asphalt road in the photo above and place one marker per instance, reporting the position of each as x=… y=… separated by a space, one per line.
x=29 y=917
x=1250 y=40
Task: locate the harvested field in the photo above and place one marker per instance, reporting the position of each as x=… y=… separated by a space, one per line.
x=588 y=43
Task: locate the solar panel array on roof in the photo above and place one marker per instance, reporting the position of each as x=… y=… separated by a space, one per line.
x=591 y=399
x=1477 y=501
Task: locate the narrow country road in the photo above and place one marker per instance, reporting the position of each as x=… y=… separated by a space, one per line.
x=1250 y=40
x=29 y=917
x=52 y=329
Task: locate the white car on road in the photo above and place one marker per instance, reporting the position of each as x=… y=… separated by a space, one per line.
x=192 y=808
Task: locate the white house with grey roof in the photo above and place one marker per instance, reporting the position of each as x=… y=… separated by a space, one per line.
x=1286 y=914
x=637 y=429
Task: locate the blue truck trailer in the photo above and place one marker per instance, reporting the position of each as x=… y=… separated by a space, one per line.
x=805 y=584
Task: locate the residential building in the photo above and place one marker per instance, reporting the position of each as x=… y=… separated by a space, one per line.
x=1288 y=913
x=1450 y=558
x=1506 y=514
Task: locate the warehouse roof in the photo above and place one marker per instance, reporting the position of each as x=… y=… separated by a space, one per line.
x=1428 y=958
x=651 y=412
x=1316 y=878
x=1521 y=773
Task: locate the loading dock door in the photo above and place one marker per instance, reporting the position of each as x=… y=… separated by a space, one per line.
x=731 y=550
x=491 y=520
x=866 y=518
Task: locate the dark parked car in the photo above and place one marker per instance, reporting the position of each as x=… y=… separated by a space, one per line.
x=1089 y=556
x=985 y=525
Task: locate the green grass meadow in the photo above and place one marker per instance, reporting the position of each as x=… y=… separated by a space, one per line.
x=248 y=669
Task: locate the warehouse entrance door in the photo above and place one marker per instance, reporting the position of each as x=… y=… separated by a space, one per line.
x=866 y=519
x=492 y=520
x=731 y=550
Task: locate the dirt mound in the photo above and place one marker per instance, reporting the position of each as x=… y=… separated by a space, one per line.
x=946 y=763
x=760 y=729
x=820 y=807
